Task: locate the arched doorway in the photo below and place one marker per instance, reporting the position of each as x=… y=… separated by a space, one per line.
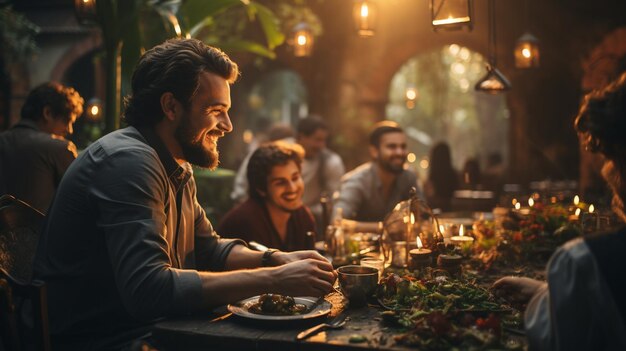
x=432 y=96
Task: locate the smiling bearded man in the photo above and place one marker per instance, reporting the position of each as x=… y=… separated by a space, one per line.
x=126 y=242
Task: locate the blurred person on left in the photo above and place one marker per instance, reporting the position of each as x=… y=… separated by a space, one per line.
x=34 y=153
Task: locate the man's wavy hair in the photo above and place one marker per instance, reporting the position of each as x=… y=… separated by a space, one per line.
x=264 y=158
x=63 y=102
x=175 y=67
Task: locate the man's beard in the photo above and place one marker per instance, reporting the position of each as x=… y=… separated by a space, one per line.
x=391 y=167
x=194 y=151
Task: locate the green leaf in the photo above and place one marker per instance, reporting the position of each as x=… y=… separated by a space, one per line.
x=195 y=11
x=269 y=23
x=240 y=45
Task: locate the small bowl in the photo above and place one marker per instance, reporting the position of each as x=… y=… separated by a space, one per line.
x=357 y=283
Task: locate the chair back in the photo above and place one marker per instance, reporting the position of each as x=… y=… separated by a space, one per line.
x=23 y=314
x=20 y=225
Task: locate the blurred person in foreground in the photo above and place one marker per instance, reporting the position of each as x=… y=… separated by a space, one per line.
x=34 y=153
x=583 y=304
x=274 y=214
x=126 y=242
x=371 y=191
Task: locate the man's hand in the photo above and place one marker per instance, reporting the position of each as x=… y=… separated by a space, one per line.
x=308 y=276
x=280 y=257
x=517 y=290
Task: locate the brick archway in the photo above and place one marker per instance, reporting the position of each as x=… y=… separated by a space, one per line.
x=77 y=51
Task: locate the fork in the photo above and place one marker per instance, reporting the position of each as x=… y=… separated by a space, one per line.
x=336 y=323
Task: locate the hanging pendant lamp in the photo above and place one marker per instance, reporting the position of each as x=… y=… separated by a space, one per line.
x=494 y=81
x=365 y=13
x=451 y=14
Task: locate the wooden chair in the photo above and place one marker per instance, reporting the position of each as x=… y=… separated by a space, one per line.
x=23 y=314
x=20 y=225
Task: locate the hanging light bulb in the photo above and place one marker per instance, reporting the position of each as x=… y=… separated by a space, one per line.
x=527 y=51
x=493 y=82
x=451 y=14
x=85 y=11
x=365 y=12
x=302 y=40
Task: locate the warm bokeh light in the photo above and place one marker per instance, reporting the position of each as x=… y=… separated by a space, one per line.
x=411 y=94
x=531 y=202
x=94 y=110
x=364 y=10
x=526 y=52
x=247 y=136
x=591 y=208
x=424 y=164
x=411 y=157
x=577 y=212
x=301 y=39
x=518 y=206
x=514 y=202
x=576 y=200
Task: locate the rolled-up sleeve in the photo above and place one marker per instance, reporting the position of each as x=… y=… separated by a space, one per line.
x=211 y=250
x=132 y=217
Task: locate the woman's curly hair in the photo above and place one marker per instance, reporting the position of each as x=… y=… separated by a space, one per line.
x=601 y=120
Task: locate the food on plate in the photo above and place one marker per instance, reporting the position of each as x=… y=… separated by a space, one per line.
x=275 y=304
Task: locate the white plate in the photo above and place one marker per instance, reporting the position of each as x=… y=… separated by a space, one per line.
x=241 y=309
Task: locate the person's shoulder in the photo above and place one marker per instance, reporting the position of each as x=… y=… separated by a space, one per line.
x=123 y=143
x=358 y=173
x=570 y=257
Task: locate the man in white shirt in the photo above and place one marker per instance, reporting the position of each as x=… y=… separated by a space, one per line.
x=322 y=168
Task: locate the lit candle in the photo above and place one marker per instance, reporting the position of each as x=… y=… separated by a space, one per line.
x=420 y=257
x=576 y=200
x=591 y=208
x=461 y=238
x=531 y=202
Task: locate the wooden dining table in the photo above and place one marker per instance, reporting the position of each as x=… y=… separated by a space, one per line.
x=364 y=330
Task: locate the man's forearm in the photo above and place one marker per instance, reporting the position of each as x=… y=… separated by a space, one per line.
x=241 y=257
x=226 y=287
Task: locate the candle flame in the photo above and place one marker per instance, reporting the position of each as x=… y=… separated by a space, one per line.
x=576 y=200
x=441 y=228
x=531 y=202
x=419 y=243
x=591 y=208
x=514 y=202
x=518 y=206
x=462 y=230
x=577 y=213
x=412 y=218
x=405 y=219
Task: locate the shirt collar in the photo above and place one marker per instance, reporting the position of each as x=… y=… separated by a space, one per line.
x=27 y=123
x=179 y=176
